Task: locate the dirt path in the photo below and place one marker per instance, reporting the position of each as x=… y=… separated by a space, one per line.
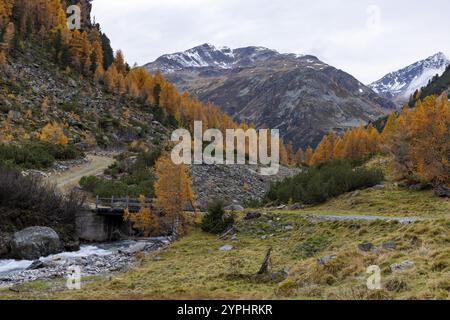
x=70 y=178
x=319 y=218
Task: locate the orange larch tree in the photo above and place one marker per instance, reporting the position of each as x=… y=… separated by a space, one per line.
x=173 y=191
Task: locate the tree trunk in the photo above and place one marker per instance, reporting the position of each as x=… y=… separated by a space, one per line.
x=265 y=265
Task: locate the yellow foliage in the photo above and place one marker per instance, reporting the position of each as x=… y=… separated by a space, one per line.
x=173 y=191
x=419 y=141
x=53 y=133
x=144 y=221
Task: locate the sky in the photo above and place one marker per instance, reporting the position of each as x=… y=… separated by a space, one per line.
x=366 y=38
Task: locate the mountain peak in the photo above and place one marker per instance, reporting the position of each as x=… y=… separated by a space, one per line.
x=399 y=85
x=208 y=55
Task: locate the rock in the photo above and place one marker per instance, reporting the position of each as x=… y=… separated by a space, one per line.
x=234 y=237
x=72 y=246
x=401 y=266
x=252 y=215
x=117 y=235
x=281 y=207
x=324 y=260
x=234 y=207
x=226 y=247
x=442 y=191
x=5 y=244
x=35 y=242
x=296 y=206
x=14 y=115
x=356 y=193
x=416 y=242
x=378 y=187
x=389 y=245
x=263 y=237
x=420 y=187
x=366 y=246
x=288 y=228
x=72 y=83
x=38 y=264
x=139 y=247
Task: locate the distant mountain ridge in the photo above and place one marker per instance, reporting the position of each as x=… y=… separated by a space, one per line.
x=208 y=55
x=401 y=84
x=298 y=94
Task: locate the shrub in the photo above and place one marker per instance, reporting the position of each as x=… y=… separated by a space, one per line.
x=317 y=185
x=36 y=155
x=27 y=201
x=216 y=221
x=136 y=184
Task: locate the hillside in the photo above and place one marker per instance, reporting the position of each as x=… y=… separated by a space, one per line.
x=35 y=92
x=300 y=95
x=316 y=256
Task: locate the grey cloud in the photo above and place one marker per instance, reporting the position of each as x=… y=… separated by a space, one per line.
x=334 y=30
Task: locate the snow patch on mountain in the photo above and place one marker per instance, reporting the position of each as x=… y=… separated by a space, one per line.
x=210 y=56
x=401 y=84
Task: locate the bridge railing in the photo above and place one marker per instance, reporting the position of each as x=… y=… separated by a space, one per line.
x=121 y=203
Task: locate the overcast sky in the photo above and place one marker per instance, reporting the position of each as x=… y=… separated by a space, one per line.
x=367 y=38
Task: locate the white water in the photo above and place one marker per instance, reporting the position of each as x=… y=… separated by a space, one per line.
x=8 y=266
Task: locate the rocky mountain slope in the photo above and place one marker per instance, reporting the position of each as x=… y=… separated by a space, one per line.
x=400 y=85
x=237 y=184
x=298 y=94
x=35 y=92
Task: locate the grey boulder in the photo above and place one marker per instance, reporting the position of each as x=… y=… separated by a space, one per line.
x=234 y=207
x=35 y=242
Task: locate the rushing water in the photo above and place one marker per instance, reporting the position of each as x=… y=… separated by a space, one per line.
x=100 y=250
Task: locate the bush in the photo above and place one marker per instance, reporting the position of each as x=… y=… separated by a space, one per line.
x=27 y=201
x=119 y=188
x=216 y=221
x=128 y=180
x=36 y=155
x=317 y=185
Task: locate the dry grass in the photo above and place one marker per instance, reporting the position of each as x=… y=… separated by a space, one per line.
x=194 y=268
x=392 y=201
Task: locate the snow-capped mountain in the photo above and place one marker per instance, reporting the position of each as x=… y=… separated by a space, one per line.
x=401 y=84
x=301 y=95
x=207 y=55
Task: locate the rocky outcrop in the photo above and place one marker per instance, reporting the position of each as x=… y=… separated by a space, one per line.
x=234 y=184
x=35 y=242
x=442 y=191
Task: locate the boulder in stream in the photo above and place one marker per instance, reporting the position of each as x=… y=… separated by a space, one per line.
x=35 y=242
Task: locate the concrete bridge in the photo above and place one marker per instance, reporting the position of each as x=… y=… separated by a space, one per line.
x=103 y=220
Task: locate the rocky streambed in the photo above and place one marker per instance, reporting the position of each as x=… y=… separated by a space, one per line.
x=92 y=259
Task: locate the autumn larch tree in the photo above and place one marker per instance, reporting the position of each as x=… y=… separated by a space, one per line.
x=419 y=141
x=145 y=220
x=173 y=192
